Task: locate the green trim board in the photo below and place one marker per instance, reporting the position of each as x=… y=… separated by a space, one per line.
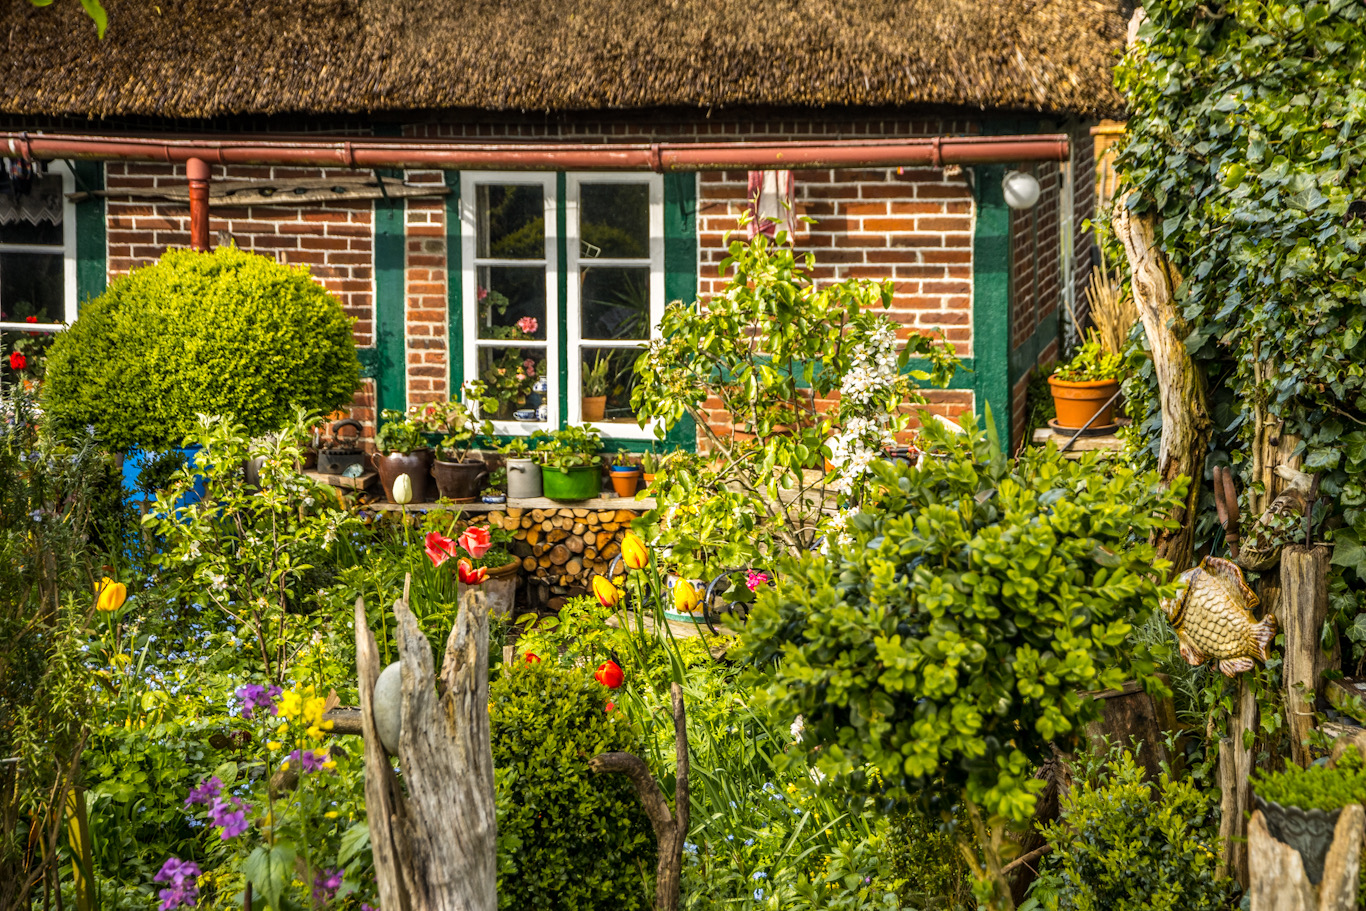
x=680 y=273
x=455 y=288
x=389 y=365
x=991 y=299
x=92 y=262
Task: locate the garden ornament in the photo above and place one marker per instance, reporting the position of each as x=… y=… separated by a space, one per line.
x=1263 y=544
x=1212 y=618
x=387 y=700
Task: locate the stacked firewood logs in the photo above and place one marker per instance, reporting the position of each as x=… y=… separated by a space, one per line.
x=565 y=546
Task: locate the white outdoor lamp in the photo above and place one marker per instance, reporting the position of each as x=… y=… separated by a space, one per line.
x=1021 y=190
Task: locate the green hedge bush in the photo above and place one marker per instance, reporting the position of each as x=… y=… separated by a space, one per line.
x=227 y=332
x=567 y=838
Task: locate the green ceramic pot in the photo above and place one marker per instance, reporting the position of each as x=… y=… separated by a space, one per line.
x=583 y=483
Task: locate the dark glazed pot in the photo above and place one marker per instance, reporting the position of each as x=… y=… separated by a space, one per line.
x=417 y=465
x=1310 y=832
x=460 y=481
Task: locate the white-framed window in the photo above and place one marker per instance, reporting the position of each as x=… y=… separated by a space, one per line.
x=614 y=227
x=511 y=285
x=38 y=249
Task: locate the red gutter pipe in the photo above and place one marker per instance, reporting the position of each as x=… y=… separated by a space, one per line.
x=364 y=152
x=197 y=171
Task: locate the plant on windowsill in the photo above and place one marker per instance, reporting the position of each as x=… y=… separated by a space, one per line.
x=571 y=466
x=1084 y=388
x=625 y=474
x=458 y=477
x=402 y=450
x=595 y=391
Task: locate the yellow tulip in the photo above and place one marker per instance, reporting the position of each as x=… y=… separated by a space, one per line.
x=633 y=552
x=110 y=595
x=685 y=596
x=607 y=592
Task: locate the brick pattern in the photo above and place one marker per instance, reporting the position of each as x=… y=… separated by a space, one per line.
x=426 y=312
x=1084 y=202
x=334 y=240
x=1036 y=276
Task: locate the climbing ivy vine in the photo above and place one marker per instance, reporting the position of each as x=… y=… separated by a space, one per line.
x=1246 y=141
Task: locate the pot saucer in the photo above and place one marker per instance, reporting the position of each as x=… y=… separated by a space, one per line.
x=1095 y=430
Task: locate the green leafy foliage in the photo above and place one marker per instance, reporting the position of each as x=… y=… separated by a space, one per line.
x=573 y=446
x=399 y=433
x=1317 y=787
x=948 y=641
x=1123 y=844
x=1091 y=363
x=568 y=838
x=223 y=333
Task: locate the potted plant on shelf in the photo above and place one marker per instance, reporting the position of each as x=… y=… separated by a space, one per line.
x=570 y=465
x=595 y=391
x=523 y=472
x=495 y=492
x=625 y=474
x=403 y=451
x=1301 y=806
x=458 y=477
x=1084 y=388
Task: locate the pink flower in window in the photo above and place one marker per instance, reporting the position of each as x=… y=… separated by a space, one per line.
x=529 y=366
x=528 y=325
x=483 y=293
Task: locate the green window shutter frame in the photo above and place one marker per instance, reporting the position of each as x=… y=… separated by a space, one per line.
x=92 y=263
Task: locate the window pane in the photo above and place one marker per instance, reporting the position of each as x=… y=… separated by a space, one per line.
x=615 y=302
x=511 y=222
x=617 y=367
x=614 y=220
x=31 y=284
x=516 y=377
x=32 y=213
x=511 y=302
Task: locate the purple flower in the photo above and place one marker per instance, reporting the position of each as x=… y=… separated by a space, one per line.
x=206 y=793
x=231 y=815
x=308 y=760
x=256 y=696
x=325 y=885
x=184 y=888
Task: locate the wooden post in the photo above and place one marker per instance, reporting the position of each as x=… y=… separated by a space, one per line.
x=1304 y=594
x=1186 y=424
x=1279 y=882
x=1235 y=767
x=435 y=849
x=670 y=828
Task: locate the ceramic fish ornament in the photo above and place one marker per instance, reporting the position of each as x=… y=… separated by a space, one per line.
x=1212 y=618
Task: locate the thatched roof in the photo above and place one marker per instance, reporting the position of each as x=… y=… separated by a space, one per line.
x=217 y=58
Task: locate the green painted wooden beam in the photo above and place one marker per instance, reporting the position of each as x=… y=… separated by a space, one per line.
x=680 y=270
x=389 y=364
x=991 y=298
x=92 y=265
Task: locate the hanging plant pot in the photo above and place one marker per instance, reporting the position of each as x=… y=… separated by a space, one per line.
x=582 y=483
x=1310 y=832
x=594 y=407
x=417 y=465
x=524 y=479
x=1079 y=402
x=625 y=480
x=460 y=481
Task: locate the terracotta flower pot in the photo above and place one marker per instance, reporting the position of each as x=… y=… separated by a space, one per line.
x=594 y=406
x=417 y=465
x=460 y=481
x=1077 y=403
x=625 y=481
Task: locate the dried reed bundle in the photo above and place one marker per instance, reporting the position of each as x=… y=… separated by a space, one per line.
x=1113 y=312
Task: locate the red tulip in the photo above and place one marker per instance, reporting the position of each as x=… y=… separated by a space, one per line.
x=532 y=657
x=30 y=319
x=476 y=541
x=469 y=575
x=440 y=548
x=17 y=361
x=609 y=675
x=609 y=708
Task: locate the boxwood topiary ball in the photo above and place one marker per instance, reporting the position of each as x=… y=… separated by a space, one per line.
x=228 y=333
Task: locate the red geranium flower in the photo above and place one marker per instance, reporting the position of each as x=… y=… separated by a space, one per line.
x=17 y=361
x=476 y=541
x=609 y=675
x=469 y=575
x=440 y=548
x=30 y=319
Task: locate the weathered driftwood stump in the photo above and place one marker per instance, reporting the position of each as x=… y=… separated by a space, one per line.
x=1137 y=722
x=1279 y=882
x=1304 y=594
x=435 y=847
x=670 y=828
x=1235 y=769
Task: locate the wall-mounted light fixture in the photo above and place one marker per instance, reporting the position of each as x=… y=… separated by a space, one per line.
x=1021 y=190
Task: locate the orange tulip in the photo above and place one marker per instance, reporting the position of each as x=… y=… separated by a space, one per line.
x=633 y=551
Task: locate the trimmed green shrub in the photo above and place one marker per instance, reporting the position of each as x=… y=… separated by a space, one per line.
x=567 y=837
x=1120 y=847
x=1317 y=787
x=226 y=333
